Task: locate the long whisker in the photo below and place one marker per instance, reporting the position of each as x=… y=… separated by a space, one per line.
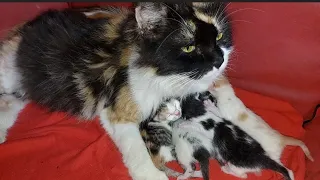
x=175 y=12
x=229 y=14
x=166 y=39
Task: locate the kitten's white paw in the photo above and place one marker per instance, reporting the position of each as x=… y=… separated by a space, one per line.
x=197 y=174
x=154 y=174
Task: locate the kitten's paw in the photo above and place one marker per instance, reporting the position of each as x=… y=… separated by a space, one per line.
x=150 y=175
x=208 y=103
x=197 y=174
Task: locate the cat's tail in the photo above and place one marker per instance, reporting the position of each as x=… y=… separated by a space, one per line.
x=275 y=166
x=286 y=140
x=203 y=156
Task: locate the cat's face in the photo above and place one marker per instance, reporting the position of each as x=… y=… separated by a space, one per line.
x=192 y=40
x=169 y=111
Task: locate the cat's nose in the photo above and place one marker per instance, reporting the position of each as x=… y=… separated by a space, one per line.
x=177 y=113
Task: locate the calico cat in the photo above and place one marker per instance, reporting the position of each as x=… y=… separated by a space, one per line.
x=211 y=136
x=118 y=64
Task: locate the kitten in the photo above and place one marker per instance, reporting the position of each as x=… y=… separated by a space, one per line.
x=119 y=64
x=232 y=108
x=211 y=136
x=157 y=134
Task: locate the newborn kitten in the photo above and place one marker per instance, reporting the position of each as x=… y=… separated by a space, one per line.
x=232 y=108
x=157 y=135
x=211 y=136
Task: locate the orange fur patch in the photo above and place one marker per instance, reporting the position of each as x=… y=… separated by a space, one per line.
x=125 y=109
x=221 y=82
x=243 y=116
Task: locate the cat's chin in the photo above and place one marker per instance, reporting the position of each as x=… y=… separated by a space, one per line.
x=203 y=84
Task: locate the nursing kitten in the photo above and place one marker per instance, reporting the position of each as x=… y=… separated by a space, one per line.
x=232 y=108
x=156 y=132
x=211 y=136
x=118 y=64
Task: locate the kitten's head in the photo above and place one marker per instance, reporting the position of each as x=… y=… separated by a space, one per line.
x=190 y=41
x=169 y=111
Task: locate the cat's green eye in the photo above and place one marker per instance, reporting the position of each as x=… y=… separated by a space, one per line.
x=219 y=36
x=188 y=49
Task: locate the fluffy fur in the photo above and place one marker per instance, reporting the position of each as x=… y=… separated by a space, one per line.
x=232 y=108
x=157 y=134
x=119 y=64
x=211 y=136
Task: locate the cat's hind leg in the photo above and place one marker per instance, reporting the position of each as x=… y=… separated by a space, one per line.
x=235 y=171
x=9 y=112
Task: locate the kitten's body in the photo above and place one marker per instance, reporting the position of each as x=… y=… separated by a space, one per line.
x=211 y=136
x=232 y=108
x=157 y=134
x=118 y=64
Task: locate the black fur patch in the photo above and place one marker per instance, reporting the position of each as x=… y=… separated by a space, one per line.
x=208 y=124
x=237 y=147
x=202 y=155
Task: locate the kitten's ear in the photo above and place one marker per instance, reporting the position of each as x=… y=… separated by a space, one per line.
x=149 y=15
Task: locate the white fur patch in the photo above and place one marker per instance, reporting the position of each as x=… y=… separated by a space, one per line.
x=134 y=152
x=231 y=106
x=9 y=113
x=9 y=76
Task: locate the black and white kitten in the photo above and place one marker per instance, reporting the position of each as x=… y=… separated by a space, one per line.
x=209 y=135
x=116 y=63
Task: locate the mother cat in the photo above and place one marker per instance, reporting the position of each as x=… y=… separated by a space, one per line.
x=117 y=64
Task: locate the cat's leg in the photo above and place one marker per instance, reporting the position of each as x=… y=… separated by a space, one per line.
x=184 y=154
x=127 y=138
x=197 y=174
x=171 y=173
x=235 y=171
x=9 y=113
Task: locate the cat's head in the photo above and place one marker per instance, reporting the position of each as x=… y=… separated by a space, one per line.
x=169 y=111
x=184 y=42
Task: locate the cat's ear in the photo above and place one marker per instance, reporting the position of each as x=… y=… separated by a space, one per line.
x=149 y=15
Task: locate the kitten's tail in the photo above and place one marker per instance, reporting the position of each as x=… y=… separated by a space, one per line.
x=203 y=156
x=286 y=140
x=275 y=166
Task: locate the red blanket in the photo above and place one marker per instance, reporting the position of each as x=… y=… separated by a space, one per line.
x=51 y=146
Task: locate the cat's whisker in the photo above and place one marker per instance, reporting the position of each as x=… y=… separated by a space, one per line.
x=175 y=12
x=221 y=12
x=239 y=20
x=239 y=10
x=166 y=39
x=176 y=21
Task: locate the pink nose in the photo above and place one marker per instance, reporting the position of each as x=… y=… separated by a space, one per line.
x=177 y=113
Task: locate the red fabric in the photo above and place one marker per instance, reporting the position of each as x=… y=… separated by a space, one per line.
x=52 y=146
x=15 y=13
x=277 y=51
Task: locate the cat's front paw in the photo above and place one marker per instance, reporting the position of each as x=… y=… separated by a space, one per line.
x=154 y=174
